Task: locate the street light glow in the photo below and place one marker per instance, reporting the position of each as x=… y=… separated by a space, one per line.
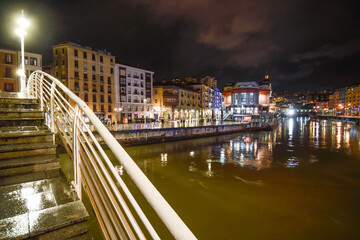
x=20 y=72
x=290 y=112
x=20 y=32
x=23 y=23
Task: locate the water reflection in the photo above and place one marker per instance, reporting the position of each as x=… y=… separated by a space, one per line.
x=293 y=144
x=299 y=178
x=163 y=157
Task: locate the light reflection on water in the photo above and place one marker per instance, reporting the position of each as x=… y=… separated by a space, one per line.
x=300 y=181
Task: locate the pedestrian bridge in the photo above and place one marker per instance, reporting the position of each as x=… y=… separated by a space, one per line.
x=117 y=211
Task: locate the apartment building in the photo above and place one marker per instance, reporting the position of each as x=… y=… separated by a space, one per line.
x=9 y=64
x=352 y=97
x=334 y=100
x=206 y=99
x=209 y=81
x=133 y=95
x=33 y=62
x=8 y=67
x=89 y=73
x=172 y=102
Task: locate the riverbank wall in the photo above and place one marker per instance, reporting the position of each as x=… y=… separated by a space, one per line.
x=151 y=136
x=347 y=119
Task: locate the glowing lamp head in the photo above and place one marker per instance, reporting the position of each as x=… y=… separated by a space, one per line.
x=22 y=22
x=145 y=100
x=21 y=72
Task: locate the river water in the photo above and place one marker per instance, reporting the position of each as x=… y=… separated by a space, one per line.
x=299 y=181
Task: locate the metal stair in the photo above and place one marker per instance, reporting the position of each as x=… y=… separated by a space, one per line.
x=36 y=201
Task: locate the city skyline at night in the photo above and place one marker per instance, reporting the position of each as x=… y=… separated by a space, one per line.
x=303 y=45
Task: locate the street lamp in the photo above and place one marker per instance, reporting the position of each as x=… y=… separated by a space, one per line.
x=22 y=23
x=145 y=111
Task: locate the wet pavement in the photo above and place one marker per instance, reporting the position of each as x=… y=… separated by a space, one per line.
x=37 y=207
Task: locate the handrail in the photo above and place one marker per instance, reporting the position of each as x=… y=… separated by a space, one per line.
x=93 y=169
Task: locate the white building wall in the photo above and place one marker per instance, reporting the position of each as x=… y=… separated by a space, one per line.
x=135 y=91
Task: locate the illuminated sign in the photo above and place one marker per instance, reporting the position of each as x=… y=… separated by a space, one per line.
x=247 y=118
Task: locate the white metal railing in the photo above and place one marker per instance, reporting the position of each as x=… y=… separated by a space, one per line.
x=115 y=208
x=225 y=116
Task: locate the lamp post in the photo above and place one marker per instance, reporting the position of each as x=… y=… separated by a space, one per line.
x=145 y=111
x=119 y=109
x=23 y=23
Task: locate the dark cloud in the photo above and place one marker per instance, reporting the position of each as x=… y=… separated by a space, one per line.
x=302 y=44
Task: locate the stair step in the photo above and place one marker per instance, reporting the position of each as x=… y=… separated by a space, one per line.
x=19 y=103
x=20 y=162
x=59 y=222
x=26 y=150
x=19 y=166
x=19 y=121
x=21 y=113
x=18 y=135
x=16 y=100
x=17 y=199
x=29 y=177
x=26 y=146
x=46 y=209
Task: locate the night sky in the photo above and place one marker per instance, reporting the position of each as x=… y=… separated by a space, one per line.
x=307 y=44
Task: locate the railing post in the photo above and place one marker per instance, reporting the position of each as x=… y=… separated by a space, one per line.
x=41 y=92
x=76 y=151
x=52 y=112
x=35 y=82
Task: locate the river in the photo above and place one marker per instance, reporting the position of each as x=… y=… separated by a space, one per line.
x=299 y=181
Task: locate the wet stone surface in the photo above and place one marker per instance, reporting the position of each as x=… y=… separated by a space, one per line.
x=57 y=217
x=14 y=227
x=24 y=189
x=38 y=207
x=62 y=192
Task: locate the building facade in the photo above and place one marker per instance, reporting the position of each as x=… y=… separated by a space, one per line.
x=89 y=73
x=134 y=89
x=176 y=103
x=8 y=66
x=33 y=62
x=352 y=98
x=209 y=81
x=244 y=100
x=334 y=100
x=206 y=99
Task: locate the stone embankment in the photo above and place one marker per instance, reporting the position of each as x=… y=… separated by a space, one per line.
x=348 y=119
x=150 y=136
